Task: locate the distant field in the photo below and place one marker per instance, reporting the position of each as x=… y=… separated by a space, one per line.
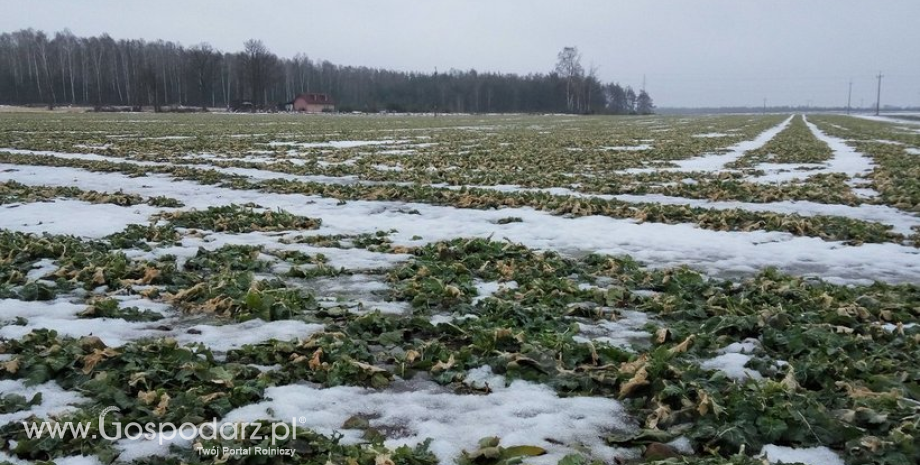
x=39 y=109
x=599 y=288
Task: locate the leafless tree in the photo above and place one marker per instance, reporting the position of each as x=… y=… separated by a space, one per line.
x=569 y=67
x=203 y=65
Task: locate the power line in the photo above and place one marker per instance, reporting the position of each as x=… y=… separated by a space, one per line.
x=760 y=77
x=878 y=98
x=849 y=96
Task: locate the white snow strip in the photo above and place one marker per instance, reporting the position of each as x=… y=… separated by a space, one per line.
x=380 y=167
x=901 y=221
x=710 y=135
x=846 y=159
x=888 y=119
x=775 y=173
x=61 y=316
x=661 y=245
x=252 y=173
x=72 y=217
x=522 y=413
x=716 y=162
x=79 y=156
x=78 y=460
x=338 y=144
x=350 y=259
x=233 y=336
x=263 y=175
x=628 y=148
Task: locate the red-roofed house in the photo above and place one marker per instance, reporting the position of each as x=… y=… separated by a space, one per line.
x=313 y=103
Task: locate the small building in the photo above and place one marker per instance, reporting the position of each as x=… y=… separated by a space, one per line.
x=313 y=103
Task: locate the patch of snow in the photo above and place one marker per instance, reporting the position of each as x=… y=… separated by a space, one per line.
x=167 y=138
x=775 y=173
x=40 y=269
x=746 y=346
x=809 y=456
x=380 y=167
x=233 y=336
x=866 y=193
x=63 y=216
x=155 y=446
x=521 y=413
x=627 y=148
x=143 y=303
x=622 y=332
x=709 y=135
x=483 y=376
x=645 y=293
x=369 y=291
x=891 y=327
x=61 y=316
x=682 y=445
x=338 y=144
x=78 y=460
x=55 y=400
x=441 y=319
x=485 y=289
x=350 y=259
x=732 y=364
x=4 y=457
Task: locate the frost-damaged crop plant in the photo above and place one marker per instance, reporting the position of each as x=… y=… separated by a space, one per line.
x=234 y=218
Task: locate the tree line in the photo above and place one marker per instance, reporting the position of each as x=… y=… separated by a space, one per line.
x=64 y=69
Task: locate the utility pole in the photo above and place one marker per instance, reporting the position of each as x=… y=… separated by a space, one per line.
x=849 y=96
x=878 y=97
x=765 y=105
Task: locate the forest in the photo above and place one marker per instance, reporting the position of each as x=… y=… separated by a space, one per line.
x=105 y=73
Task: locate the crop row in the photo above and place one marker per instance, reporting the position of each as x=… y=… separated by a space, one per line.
x=830 y=228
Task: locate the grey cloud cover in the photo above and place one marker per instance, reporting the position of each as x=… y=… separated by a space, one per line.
x=692 y=53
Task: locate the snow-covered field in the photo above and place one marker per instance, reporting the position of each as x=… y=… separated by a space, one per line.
x=430 y=282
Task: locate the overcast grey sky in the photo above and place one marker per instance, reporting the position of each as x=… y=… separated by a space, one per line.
x=693 y=53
